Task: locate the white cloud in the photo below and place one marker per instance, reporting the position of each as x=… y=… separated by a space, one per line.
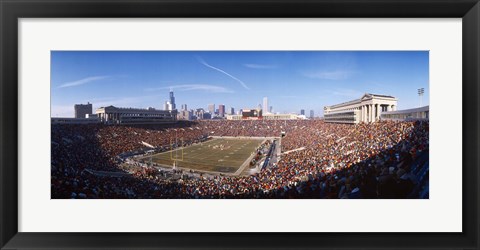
x=194 y=87
x=83 y=81
x=223 y=72
x=329 y=75
x=260 y=66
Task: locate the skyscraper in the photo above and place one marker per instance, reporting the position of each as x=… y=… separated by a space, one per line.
x=172 y=100
x=265 y=104
x=302 y=112
x=167 y=106
x=221 y=110
x=232 y=111
x=81 y=110
x=199 y=113
x=211 y=108
x=312 y=115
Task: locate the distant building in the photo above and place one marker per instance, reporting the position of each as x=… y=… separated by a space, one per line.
x=265 y=105
x=221 y=110
x=415 y=114
x=82 y=110
x=270 y=110
x=211 y=108
x=168 y=106
x=172 y=100
x=302 y=112
x=185 y=115
x=312 y=114
x=115 y=115
x=232 y=111
x=366 y=109
x=198 y=113
x=184 y=107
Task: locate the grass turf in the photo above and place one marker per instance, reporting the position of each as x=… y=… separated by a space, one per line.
x=210 y=156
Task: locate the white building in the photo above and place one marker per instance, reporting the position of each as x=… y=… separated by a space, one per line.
x=185 y=115
x=116 y=115
x=421 y=114
x=167 y=106
x=368 y=108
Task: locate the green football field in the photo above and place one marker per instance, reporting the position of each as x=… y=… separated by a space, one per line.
x=216 y=155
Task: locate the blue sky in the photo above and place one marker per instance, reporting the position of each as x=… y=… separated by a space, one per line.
x=292 y=80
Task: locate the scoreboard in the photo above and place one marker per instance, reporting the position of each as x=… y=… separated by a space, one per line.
x=252 y=114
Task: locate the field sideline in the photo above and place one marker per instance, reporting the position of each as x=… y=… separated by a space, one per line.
x=219 y=155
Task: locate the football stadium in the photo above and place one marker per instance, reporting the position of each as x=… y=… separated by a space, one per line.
x=263 y=159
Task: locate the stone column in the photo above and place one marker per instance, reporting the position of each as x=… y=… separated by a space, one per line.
x=364 y=108
x=365 y=113
x=369 y=118
x=379 y=110
x=361 y=113
x=371 y=112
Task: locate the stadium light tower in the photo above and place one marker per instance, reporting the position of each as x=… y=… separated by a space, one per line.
x=420 y=94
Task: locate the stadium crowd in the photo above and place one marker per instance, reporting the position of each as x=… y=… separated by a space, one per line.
x=320 y=160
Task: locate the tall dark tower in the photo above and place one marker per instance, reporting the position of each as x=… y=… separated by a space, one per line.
x=172 y=100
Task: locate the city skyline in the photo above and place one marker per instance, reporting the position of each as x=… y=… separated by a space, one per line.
x=291 y=81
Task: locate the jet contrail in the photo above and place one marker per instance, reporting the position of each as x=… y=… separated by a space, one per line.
x=221 y=71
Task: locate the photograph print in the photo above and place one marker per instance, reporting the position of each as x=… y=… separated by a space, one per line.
x=239 y=124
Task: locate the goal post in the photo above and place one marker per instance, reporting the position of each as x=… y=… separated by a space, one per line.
x=174 y=148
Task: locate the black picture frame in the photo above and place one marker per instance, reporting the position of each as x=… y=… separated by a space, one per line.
x=11 y=11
